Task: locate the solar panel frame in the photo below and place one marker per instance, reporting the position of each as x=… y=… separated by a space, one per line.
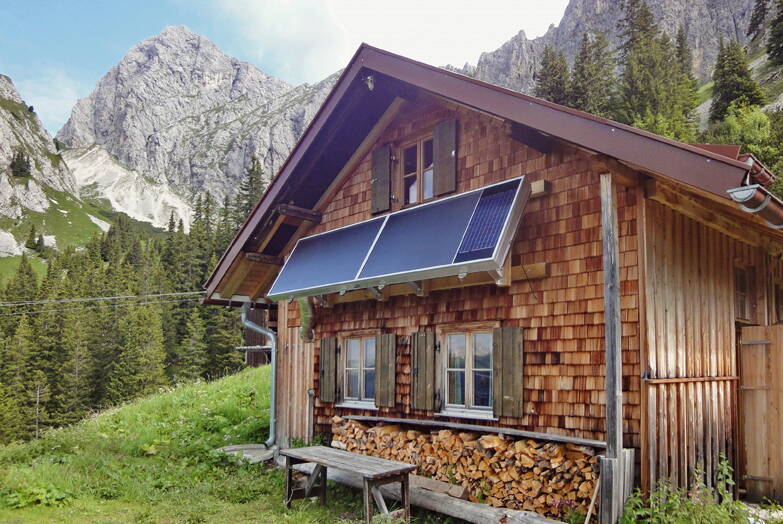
x=491 y=263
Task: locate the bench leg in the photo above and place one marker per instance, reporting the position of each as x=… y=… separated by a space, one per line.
x=405 y=497
x=323 y=486
x=289 y=483
x=366 y=495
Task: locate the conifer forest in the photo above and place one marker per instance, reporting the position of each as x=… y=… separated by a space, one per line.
x=117 y=319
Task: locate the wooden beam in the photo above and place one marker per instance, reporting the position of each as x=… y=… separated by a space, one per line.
x=269 y=260
x=689 y=206
x=611 y=464
x=527 y=272
x=622 y=174
x=308 y=215
x=531 y=137
x=612 y=321
x=511 y=432
x=235 y=278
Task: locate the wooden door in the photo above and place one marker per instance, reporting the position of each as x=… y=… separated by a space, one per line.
x=760 y=403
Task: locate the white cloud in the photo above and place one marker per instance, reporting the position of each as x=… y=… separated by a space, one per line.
x=305 y=40
x=53 y=92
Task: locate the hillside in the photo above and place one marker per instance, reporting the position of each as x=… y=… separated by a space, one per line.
x=152 y=461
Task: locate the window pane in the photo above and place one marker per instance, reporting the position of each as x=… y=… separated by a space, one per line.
x=369 y=383
x=411 y=190
x=427 y=154
x=409 y=160
x=369 y=352
x=482 y=350
x=456 y=387
x=482 y=388
x=352 y=353
x=427 y=187
x=456 y=345
x=352 y=383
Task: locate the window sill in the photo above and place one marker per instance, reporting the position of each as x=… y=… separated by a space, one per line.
x=355 y=404
x=467 y=413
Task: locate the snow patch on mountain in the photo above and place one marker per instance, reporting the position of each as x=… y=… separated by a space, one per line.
x=99 y=175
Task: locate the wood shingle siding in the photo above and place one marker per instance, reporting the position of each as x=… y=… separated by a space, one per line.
x=507 y=383
x=328 y=370
x=385 y=369
x=381 y=179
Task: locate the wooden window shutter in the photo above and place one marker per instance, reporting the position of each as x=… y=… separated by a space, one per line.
x=444 y=145
x=328 y=370
x=381 y=179
x=385 y=369
x=507 y=388
x=424 y=360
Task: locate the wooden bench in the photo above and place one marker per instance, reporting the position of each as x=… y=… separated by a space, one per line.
x=375 y=472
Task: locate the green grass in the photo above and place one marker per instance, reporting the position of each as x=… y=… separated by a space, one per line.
x=9 y=265
x=153 y=461
x=705 y=92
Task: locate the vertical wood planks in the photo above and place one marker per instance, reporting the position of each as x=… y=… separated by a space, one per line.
x=327 y=390
x=444 y=144
x=423 y=357
x=507 y=371
x=385 y=369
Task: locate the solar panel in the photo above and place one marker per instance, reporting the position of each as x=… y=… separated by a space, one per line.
x=469 y=232
x=327 y=259
x=485 y=226
x=421 y=237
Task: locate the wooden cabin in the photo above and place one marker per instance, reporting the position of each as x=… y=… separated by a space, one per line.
x=615 y=243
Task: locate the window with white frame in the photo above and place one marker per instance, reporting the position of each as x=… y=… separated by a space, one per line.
x=468 y=380
x=359 y=377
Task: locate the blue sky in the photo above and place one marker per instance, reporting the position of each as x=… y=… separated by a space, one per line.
x=55 y=51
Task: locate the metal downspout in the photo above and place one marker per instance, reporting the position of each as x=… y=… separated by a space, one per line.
x=272 y=337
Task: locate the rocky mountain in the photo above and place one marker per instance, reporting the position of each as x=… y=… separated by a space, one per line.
x=43 y=198
x=514 y=64
x=178 y=112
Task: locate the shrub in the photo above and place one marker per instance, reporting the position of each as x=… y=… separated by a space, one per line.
x=699 y=504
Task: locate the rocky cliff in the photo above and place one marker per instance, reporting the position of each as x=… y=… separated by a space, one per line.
x=706 y=21
x=180 y=112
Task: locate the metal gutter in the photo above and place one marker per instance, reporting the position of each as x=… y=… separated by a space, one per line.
x=272 y=337
x=757 y=200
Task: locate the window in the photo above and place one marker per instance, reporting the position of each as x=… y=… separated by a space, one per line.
x=359 y=378
x=778 y=290
x=468 y=383
x=418 y=182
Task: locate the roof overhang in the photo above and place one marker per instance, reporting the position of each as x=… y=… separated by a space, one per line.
x=356 y=104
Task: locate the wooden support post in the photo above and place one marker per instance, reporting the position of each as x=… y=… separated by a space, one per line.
x=264 y=259
x=611 y=496
x=308 y=215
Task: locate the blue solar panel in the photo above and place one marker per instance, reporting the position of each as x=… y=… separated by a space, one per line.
x=443 y=238
x=487 y=222
x=422 y=237
x=330 y=258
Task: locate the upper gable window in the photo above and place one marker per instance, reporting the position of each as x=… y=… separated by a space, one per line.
x=417 y=172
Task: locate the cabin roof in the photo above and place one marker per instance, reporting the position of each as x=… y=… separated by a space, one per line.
x=356 y=103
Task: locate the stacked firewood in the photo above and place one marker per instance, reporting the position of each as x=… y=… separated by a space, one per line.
x=546 y=477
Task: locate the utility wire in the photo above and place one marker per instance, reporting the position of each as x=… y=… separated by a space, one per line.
x=97 y=299
x=97 y=306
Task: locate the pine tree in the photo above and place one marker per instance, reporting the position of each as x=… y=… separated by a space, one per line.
x=32 y=242
x=593 y=79
x=249 y=192
x=552 y=77
x=193 y=352
x=657 y=92
x=732 y=81
x=775 y=38
x=138 y=369
x=20 y=164
x=757 y=19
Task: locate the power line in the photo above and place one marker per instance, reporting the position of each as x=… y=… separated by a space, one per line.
x=97 y=306
x=97 y=299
